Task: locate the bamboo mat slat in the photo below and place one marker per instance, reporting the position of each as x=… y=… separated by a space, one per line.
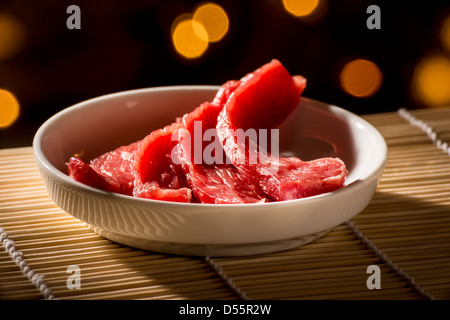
x=405 y=231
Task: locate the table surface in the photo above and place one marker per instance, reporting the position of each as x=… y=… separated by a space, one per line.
x=404 y=231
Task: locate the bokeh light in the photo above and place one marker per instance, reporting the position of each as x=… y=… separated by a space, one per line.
x=12 y=36
x=445 y=33
x=307 y=10
x=192 y=33
x=9 y=109
x=361 y=78
x=214 y=19
x=300 y=8
x=189 y=37
x=431 y=81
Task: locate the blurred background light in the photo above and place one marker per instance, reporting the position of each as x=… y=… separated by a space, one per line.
x=190 y=38
x=12 y=36
x=361 y=78
x=214 y=19
x=307 y=10
x=136 y=44
x=192 y=33
x=431 y=81
x=9 y=109
x=445 y=33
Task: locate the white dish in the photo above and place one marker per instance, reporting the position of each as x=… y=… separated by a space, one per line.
x=99 y=125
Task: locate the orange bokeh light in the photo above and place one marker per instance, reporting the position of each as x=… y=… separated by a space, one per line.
x=12 y=36
x=214 y=19
x=361 y=78
x=445 y=33
x=309 y=11
x=189 y=38
x=9 y=109
x=431 y=81
x=192 y=33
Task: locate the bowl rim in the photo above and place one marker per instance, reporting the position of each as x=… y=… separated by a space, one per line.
x=57 y=174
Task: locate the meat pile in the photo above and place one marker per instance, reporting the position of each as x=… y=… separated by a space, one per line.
x=221 y=152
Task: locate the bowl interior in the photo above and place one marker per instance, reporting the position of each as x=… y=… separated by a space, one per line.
x=316 y=130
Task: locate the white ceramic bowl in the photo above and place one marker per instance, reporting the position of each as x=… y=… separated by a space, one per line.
x=99 y=125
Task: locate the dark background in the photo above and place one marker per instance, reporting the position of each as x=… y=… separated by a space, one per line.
x=127 y=45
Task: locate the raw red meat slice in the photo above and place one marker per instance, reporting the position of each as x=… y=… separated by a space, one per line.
x=142 y=169
x=153 y=159
x=157 y=170
x=263 y=100
x=152 y=190
x=112 y=171
x=225 y=92
x=297 y=179
x=84 y=173
x=269 y=93
x=213 y=180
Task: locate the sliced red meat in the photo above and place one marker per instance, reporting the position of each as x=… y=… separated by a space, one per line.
x=210 y=163
x=269 y=93
x=142 y=169
x=153 y=159
x=158 y=174
x=263 y=100
x=297 y=179
x=225 y=92
x=112 y=171
x=152 y=190
x=84 y=173
x=211 y=179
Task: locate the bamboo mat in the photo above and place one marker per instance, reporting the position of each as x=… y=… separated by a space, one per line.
x=405 y=231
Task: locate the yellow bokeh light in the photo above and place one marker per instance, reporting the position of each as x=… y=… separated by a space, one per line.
x=445 y=33
x=431 y=81
x=214 y=19
x=301 y=8
x=9 y=108
x=12 y=36
x=361 y=78
x=190 y=38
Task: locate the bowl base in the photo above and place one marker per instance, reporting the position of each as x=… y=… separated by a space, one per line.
x=208 y=250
